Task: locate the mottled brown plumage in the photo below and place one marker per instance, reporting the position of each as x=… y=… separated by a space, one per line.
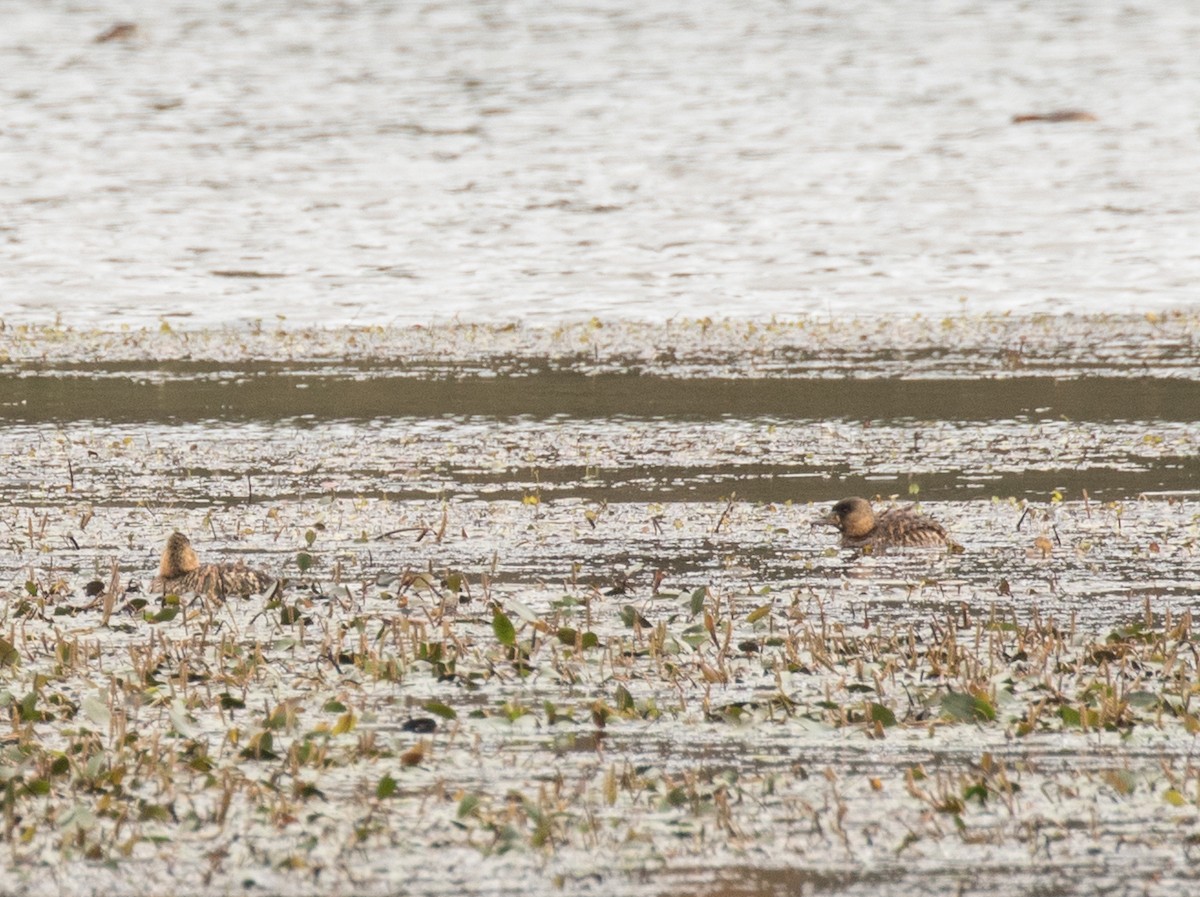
x=861 y=527
x=180 y=572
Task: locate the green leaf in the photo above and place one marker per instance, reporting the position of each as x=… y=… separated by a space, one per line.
x=386 y=787
x=437 y=708
x=758 y=613
x=882 y=715
x=468 y=805
x=8 y=654
x=304 y=560
x=676 y=797
x=166 y=615
x=624 y=699
x=967 y=708
x=698 y=597
x=28 y=709
x=630 y=617
x=503 y=627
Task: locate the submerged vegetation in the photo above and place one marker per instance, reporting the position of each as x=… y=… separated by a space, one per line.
x=579 y=652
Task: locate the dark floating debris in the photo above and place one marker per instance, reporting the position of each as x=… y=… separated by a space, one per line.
x=419 y=724
x=123 y=31
x=1055 y=117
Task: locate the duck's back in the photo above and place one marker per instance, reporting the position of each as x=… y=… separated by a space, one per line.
x=906 y=529
x=216 y=580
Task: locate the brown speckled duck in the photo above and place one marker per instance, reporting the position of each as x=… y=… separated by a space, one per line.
x=862 y=528
x=180 y=572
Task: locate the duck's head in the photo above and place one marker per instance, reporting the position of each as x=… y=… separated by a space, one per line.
x=853 y=517
x=178 y=557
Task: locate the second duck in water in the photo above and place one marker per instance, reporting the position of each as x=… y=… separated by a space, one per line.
x=862 y=528
x=180 y=572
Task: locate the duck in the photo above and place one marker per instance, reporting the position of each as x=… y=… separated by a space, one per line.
x=180 y=571
x=862 y=528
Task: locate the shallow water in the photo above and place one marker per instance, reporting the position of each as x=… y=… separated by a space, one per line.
x=754 y=710
x=373 y=162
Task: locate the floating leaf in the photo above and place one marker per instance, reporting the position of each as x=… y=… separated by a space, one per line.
x=386 y=787
x=758 y=613
x=967 y=708
x=261 y=747
x=304 y=561
x=437 y=708
x=882 y=715
x=166 y=615
x=568 y=636
x=630 y=617
x=38 y=787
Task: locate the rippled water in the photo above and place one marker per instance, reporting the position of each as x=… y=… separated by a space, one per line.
x=362 y=162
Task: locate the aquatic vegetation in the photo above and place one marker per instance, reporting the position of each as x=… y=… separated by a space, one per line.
x=581 y=651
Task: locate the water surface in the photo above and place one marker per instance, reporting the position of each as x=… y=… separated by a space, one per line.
x=374 y=162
